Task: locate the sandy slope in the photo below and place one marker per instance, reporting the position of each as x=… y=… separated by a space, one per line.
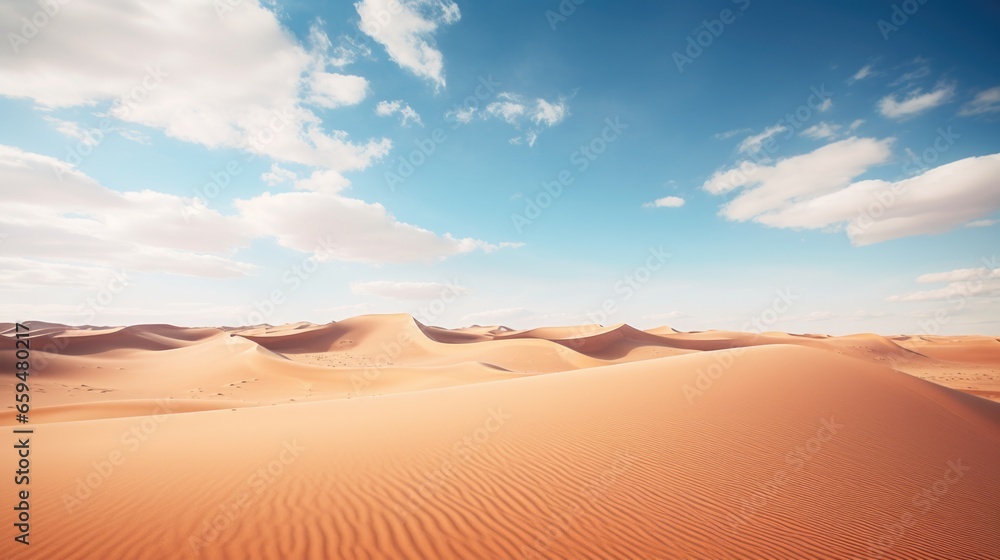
x=378 y=437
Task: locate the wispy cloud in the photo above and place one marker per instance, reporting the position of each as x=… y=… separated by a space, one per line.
x=730 y=133
x=821 y=131
x=666 y=202
x=912 y=76
x=864 y=72
x=985 y=102
x=964 y=283
x=532 y=116
x=406 y=113
x=754 y=143
x=915 y=102
x=982 y=223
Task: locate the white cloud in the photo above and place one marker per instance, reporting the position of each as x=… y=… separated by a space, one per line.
x=322 y=181
x=821 y=130
x=958 y=275
x=531 y=136
x=815 y=191
x=936 y=201
x=238 y=81
x=982 y=223
x=826 y=105
x=861 y=74
x=915 y=102
x=730 y=133
x=985 y=102
x=330 y=89
x=463 y=115
x=406 y=113
x=336 y=90
x=510 y=108
x=825 y=130
x=93 y=136
x=406 y=290
x=133 y=135
x=406 y=29
x=513 y=109
x=387 y=108
x=962 y=284
x=755 y=142
x=666 y=202
x=72 y=130
x=770 y=188
x=334 y=227
x=347 y=52
x=277 y=175
x=912 y=76
x=77 y=221
x=23 y=273
x=549 y=114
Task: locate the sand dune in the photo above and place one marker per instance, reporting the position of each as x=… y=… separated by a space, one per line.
x=380 y=437
x=95 y=340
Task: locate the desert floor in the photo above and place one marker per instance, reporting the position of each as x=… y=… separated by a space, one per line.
x=379 y=437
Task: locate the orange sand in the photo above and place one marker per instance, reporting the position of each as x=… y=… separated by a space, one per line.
x=379 y=437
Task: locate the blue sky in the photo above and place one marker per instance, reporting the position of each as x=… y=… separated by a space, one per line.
x=818 y=167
